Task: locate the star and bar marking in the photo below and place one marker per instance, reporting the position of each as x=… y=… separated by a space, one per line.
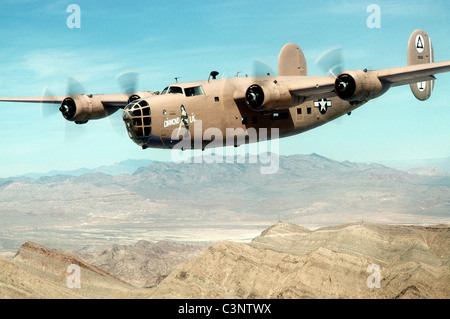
x=322 y=105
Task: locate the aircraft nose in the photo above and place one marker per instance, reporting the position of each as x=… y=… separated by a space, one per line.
x=138 y=121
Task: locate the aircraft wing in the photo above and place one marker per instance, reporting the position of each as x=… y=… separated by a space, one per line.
x=108 y=100
x=79 y=108
x=314 y=87
x=35 y=99
x=310 y=87
x=412 y=73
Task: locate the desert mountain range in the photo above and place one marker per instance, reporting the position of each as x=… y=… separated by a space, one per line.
x=191 y=230
x=284 y=261
x=213 y=202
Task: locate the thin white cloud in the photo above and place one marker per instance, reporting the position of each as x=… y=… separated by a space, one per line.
x=52 y=67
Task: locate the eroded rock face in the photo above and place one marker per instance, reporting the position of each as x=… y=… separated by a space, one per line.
x=39 y=272
x=288 y=261
x=358 y=260
x=143 y=264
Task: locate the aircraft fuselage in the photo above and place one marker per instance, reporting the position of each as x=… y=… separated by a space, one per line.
x=214 y=111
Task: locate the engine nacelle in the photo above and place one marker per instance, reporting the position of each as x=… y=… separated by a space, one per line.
x=268 y=95
x=358 y=85
x=80 y=108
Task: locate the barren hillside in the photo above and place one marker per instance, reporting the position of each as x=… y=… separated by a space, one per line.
x=143 y=264
x=39 y=272
x=358 y=260
x=288 y=261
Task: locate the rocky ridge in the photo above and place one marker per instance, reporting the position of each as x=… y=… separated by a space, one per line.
x=288 y=261
x=356 y=260
x=143 y=264
x=39 y=272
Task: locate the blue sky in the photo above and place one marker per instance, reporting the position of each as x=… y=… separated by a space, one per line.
x=164 y=40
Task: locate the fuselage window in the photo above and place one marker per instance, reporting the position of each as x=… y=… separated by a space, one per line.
x=280 y=116
x=192 y=91
x=175 y=90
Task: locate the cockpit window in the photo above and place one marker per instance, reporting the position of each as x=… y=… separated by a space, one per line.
x=175 y=90
x=195 y=90
x=165 y=90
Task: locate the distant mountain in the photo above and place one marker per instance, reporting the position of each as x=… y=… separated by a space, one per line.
x=210 y=202
x=442 y=164
x=125 y=167
x=427 y=171
x=131 y=165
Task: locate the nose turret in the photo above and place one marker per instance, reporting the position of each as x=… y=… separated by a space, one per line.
x=138 y=121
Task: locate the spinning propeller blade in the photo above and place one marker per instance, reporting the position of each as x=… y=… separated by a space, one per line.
x=330 y=61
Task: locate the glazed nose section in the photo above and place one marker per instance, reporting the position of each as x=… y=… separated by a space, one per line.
x=138 y=121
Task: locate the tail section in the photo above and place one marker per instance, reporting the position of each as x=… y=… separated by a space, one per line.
x=291 y=61
x=420 y=50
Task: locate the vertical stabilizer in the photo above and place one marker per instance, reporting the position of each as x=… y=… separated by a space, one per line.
x=420 y=50
x=291 y=61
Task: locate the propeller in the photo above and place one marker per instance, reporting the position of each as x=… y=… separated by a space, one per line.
x=47 y=109
x=330 y=61
x=75 y=87
x=73 y=132
x=261 y=68
x=128 y=81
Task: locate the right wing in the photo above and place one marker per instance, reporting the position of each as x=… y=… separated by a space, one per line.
x=412 y=73
x=269 y=93
x=35 y=99
x=111 y=100
x=311 y=88
x=80 y=108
